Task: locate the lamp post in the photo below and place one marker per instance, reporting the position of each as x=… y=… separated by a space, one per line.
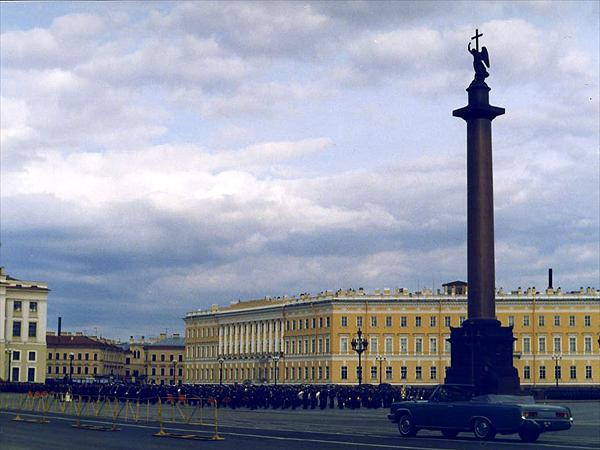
x=275 y=359
x=359 y=345
x=381 y=359
x=8 y=352
x=220 y=361
x=71 y=356
x=556 y=357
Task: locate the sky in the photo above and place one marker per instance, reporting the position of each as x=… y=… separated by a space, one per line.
x=158 y=158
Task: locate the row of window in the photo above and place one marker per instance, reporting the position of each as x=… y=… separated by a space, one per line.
x=16 y=329
x=171 y=371
x=80 y=356
x=16 y=374
x=322 y=345
x=16 y=355
x=316 y=346
x=163 y=358
x=319 y=373
x=403 y=345
x=557 y=344
x=300 y=324
x=18 y=306
x=210 y=350
x=254 y=373
x=79 y=370
x=557 y=372
x=587 y=321
x=418 y=321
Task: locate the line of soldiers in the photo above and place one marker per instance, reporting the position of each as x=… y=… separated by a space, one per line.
x=233 y=395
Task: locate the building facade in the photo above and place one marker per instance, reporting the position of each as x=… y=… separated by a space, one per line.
x=135 y=360
x=164 y=360
x=79 y=357
x=23 y=315
x=308 y=339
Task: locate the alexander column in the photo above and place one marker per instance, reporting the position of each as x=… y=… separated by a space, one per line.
x=482 y=350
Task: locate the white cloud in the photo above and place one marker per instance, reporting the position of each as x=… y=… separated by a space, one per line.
x=270 y=28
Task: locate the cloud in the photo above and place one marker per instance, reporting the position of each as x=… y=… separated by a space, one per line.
x=256 y=28
x=69 y=39
x=250 y=98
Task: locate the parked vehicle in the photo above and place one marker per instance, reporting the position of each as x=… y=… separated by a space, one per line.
x=453 y=408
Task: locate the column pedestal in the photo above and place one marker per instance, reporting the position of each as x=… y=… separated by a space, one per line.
x=482 y=355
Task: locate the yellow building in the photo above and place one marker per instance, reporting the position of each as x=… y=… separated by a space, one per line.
x=136 y=368
x=164 y=360
x=307 y=339
x=23 y=312
x=83 y=357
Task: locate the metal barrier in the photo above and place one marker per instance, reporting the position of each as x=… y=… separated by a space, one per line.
x=187 y=419
x=36 y=407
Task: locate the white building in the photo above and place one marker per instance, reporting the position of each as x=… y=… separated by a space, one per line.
x=23 y=315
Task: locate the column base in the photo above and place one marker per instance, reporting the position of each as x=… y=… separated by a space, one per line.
x=482 y=355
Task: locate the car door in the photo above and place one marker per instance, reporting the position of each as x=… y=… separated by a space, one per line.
x=434 y=413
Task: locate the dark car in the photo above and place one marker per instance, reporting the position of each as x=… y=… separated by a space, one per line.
x=452 y=409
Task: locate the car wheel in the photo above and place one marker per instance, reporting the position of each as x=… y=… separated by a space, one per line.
x=529 y=435
x=406 y=426
x=483 y=429
x=449 y=433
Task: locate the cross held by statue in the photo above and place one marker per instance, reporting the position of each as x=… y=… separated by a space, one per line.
x=476 y=37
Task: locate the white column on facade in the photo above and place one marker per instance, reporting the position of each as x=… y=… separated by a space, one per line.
x=229 y=344
x=247 y=350
x=251 y=334
x=226 y=340
x=282 y=336
x=271 y=345
x=276 y=343
x=234 y=336
x=256 y=336
x=260 y=332
x=220 y=331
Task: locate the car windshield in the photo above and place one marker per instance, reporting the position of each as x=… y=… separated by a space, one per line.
x=449 y=393
x=514 y=399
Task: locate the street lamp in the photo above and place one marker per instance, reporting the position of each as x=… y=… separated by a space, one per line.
x=8 y=352
x=556 y=357
x=71 y=356
x=359 y=345
x=275 y=359
x=381 y=359
x=220 y=361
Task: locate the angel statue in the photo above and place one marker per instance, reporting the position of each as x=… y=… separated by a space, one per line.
x=481 y=59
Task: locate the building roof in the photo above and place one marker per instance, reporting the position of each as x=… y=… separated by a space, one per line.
x=455 y=283
x=168 y=342
x=394 y=295
x=78 y=341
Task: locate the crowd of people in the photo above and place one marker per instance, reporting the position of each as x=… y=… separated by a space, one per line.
x=231 y=395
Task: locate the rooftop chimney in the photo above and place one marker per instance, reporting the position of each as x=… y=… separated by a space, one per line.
x=59 y=325
x=550 y=279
